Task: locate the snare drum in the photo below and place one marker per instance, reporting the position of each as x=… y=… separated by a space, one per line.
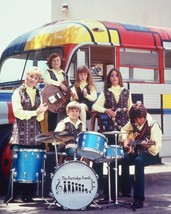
x=74 y=185
x=28 y=165
x=113 y=151
x=91 y=145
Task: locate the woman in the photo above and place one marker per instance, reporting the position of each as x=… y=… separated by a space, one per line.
x=57 y=77
x=84 y=91
x=115 y=101
x=28 y=111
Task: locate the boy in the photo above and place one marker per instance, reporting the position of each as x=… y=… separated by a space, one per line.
x=71 y=124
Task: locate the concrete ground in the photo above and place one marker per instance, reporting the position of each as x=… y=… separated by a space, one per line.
x=158 y=198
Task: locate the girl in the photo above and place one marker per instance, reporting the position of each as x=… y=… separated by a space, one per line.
x=84 y=91
x=115 y=101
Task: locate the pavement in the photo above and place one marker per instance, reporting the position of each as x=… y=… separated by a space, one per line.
x=157 y=191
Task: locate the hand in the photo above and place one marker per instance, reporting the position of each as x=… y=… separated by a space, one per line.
x=42 y=108
x=126 y=144
x=147 y=144
x=110 y=113
x=85 y=92
x=74 y=96
x=63 y=87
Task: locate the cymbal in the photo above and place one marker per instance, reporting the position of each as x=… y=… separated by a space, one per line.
x=54 y=137
x=113 y=132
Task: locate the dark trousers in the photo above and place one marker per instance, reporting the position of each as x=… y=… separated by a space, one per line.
x=140 y=161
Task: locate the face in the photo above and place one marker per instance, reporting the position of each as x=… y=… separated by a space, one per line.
x=140 y=120
x=56 y=63
x=114 y=79
x=32 y=80
x=83 y=77
x=74 y=114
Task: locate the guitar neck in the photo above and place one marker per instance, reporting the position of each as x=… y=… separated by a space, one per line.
x=138 y=142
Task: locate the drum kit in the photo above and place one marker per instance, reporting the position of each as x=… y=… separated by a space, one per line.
x=74 y=183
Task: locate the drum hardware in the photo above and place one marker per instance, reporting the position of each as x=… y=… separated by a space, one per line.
x=56 y=137
x=29 y=167
x=116 y=203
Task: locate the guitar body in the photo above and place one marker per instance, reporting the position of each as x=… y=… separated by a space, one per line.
x=55 y=98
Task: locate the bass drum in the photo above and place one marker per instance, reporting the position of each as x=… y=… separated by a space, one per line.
x=74 y=185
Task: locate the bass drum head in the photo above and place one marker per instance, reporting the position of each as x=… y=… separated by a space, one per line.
x=74 y=185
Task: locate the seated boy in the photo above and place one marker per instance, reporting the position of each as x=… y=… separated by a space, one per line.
x=71 y=124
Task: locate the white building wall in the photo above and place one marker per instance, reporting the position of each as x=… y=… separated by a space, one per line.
x=147 y=12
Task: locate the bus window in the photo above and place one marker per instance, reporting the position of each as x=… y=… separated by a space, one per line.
x=167 y=66
x=12 y=70
x=138 y=58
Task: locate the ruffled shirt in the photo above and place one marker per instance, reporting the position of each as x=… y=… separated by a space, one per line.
x=59 y=75
x=93 y=93
x=18 y=109
x=116 y=91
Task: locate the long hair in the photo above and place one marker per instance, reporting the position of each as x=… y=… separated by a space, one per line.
x=84 y=69
x=108 y=83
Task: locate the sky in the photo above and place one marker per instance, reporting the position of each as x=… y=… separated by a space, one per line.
x=20 y=16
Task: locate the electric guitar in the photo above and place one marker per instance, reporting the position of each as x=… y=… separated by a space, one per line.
x=56 y=98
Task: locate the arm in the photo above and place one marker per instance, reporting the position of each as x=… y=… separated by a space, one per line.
x=48 y=81
x=18 y=109
x=156 y=136
x=99 y=104
x=26 y=114
x=60 y=127
x=92 y=96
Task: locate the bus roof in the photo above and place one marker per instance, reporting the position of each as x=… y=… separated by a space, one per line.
x=60 y=33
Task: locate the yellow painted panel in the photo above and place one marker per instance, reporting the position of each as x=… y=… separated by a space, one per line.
x=70 y=33
x=166 y=100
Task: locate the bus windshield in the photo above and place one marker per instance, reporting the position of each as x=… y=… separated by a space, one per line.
x=14 y=67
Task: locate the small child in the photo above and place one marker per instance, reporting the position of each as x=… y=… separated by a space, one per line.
x=84 y=91
x=71 y=124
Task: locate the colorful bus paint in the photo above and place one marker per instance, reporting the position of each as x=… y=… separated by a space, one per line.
x=142 y=53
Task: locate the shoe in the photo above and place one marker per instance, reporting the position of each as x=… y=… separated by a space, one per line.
x=6 y=200
x=27 y=199
x=137 y=204
x=127 y=195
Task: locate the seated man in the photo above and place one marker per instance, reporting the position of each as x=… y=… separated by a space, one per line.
x=147 y=135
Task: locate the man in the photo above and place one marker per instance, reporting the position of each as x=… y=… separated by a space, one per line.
x=142 y=142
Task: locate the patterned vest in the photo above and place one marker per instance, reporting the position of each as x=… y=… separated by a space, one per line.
x=28 y=129
x=69 y=127
x=53 y=77
x=121 y=117
x=82 y=99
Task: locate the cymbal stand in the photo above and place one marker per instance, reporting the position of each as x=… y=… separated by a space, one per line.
x=117 y=203
x=56 y=153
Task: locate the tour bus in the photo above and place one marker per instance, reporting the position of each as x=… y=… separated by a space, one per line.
x=141 y=53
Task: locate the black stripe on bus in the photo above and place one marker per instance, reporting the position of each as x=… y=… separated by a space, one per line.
x=91 y=35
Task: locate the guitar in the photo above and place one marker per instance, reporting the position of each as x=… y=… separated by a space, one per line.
x=55 y=98
x=133 y=143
